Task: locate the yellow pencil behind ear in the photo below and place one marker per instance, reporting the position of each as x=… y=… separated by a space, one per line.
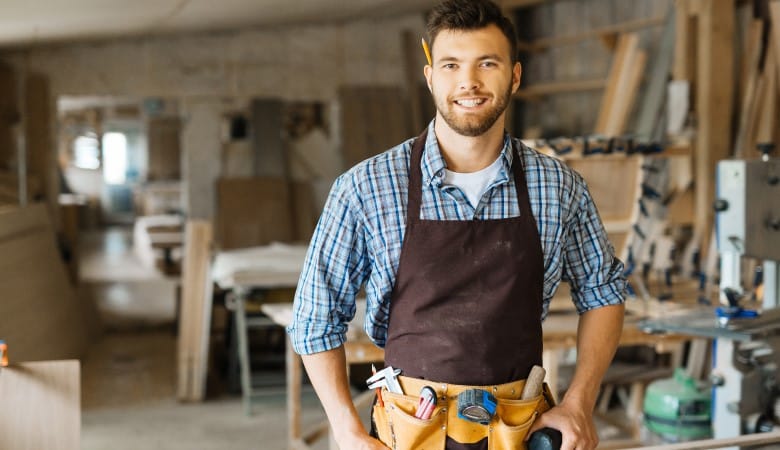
x=427 y=51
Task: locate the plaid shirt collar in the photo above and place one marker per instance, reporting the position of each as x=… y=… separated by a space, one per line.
x=433 y=163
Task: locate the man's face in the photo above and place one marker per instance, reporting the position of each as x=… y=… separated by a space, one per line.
x=472 y=78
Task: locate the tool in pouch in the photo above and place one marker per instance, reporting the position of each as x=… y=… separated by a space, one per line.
x=426 y=404
x=386 y=378
x=544 y=438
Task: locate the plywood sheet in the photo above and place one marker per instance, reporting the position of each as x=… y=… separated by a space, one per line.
x=613 y=182
x=253 y=211
x=41 y=318
x=40 y=406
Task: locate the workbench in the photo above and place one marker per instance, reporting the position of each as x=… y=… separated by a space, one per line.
x=257 y=268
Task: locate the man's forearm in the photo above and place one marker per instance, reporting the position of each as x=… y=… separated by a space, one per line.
x=598 y=334
x=328 y=374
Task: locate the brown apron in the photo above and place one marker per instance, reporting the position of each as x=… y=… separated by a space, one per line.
x=467 y=303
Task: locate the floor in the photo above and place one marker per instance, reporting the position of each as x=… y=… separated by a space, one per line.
x=128 y=377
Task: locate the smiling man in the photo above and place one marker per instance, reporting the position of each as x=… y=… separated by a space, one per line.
x=460 y=238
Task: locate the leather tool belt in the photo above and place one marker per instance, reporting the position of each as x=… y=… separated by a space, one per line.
x=397 y=427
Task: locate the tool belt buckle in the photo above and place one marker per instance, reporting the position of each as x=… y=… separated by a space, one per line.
x=476 y=405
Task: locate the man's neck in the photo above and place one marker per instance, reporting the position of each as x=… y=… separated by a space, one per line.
x=465 y=154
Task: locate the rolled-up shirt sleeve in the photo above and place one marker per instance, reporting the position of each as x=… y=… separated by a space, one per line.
x=590 y=265
x=334 y=270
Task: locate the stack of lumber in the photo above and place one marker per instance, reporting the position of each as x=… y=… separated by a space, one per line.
x=758 y=92
x=41 y=317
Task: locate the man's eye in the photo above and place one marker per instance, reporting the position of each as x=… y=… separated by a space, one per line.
x=449 y=66
x=488 y=64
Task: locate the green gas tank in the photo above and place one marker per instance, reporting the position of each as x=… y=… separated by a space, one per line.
x=678 y=408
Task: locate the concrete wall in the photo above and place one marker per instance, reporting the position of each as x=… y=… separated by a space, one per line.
x=295 y=63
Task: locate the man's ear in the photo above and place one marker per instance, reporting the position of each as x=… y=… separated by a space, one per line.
x=517 y=74
x=428 y=72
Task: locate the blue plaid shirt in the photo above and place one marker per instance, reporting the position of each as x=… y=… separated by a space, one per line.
x=358 y=238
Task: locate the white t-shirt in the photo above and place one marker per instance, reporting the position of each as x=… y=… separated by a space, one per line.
x=473 y=184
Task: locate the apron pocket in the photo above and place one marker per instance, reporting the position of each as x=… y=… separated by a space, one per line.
x=517 y=412
x=382 y=425
x=510 y=437
x=408 y=432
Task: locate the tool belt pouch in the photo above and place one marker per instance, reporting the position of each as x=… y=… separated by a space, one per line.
x=397 y=427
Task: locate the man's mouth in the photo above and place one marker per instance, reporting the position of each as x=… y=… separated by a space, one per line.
x=470 y=102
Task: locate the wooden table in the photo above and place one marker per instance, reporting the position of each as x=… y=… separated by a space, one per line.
x=560 y=334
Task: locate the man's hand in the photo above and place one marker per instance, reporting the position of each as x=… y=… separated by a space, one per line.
x=359 y=440
x=575 y=424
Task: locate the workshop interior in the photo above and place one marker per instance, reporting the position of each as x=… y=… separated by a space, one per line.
x=163 y=166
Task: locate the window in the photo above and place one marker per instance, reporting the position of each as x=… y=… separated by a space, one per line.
x=114 y=158
x=86 y=151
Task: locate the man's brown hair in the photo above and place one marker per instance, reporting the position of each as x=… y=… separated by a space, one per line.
x=467 y=15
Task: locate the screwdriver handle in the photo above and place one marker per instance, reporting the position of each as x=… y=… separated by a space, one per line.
x=545 y=439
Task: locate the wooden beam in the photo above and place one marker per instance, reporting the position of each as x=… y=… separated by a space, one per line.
x=560 y=87
x=747 y=440
x=714 y=106
x=556 y=41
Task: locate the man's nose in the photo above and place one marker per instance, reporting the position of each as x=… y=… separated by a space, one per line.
x=470 y=80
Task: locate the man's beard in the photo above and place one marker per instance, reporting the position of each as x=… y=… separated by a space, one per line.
x=472 y=125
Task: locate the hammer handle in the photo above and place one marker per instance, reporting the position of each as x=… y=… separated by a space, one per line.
x=533 y=384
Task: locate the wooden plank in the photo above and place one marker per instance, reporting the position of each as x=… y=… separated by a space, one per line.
x=747 y=440
x=654 y=94
x=767 y=123
x=559 y=87
x=541 y=44
x=748 y=111
x=617 y=79
x=195 y=315
x=253 y=211
x=41 y=318
x=774 y=14
x=684 y=68
x=41 y=405
x=630 y=82
x=714 y=93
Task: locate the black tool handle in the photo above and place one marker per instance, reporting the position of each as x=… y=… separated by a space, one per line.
x=545 y=439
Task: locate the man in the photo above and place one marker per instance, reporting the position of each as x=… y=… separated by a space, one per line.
x=460 y=238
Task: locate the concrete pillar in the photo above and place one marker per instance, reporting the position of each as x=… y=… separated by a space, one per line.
x=201 y=146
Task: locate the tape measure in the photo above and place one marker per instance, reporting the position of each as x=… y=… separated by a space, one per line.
x=476 y=405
